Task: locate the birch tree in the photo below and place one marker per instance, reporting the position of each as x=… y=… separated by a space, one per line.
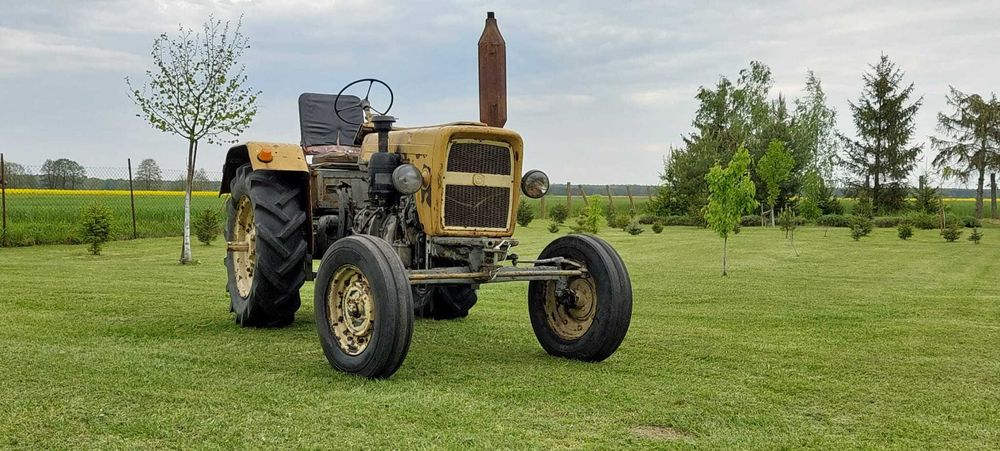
x=198 y=90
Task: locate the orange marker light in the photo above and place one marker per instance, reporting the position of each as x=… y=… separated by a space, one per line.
x=265 y=156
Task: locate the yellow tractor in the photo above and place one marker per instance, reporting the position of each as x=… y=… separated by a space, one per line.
x=406 y=222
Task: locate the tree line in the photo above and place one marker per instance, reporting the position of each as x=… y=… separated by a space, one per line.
x=798 y=158
x=67 y=174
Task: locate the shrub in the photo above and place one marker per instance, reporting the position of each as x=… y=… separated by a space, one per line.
x=207 y=225
x=633 y=228
x=554 y=227
x=904 y=231
x=525 y=214
x=590 y=218
x=976 y=236
x=95 y=227
x=558 y=213
x=860 y=226
x=922 y=221
x=619 y=220
x=887 y=221
x=951 y=233
x=750 y=221
x=971 y=222
x=863 y=207
x=833 y=221
x=657 y=227
x=647 y=219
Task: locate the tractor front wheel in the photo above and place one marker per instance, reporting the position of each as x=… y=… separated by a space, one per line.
x=267 y=247
x=584 y=318
x=363 y=307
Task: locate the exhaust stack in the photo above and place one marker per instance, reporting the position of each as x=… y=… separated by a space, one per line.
x=492 y=75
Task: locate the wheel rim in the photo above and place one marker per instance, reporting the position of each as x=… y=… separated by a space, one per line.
x=571 y=313
x=245 y=231
x=350 y=308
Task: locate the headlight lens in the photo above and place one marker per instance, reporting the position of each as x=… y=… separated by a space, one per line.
x=535 y=184
x=407 y=179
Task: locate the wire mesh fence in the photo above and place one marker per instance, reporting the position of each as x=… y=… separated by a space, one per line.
x=42 y=204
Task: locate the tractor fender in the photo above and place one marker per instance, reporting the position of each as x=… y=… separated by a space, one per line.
x=283 y=157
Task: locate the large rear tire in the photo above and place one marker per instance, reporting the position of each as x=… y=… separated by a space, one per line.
x=447 y=302
x=589 y=318
x=266 y=213
x=363 y=307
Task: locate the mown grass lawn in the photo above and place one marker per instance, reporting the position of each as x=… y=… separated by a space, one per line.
x=878 y=343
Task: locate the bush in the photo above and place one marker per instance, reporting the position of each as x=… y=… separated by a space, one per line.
x=922 y=221
x=647 y=219
x=976 y=236
x=833 y=221
x=633 y=228
x=860 y=226
x=951 y=233
x=750 y=221
x=558 y=213
x=590 y=218
x=657 y=227
x=554 y=227
x=207 y=225
x=864 y=207
x=887 y=221
x=525 y=214
x=95 y=227
x=971 y=222
x=619 y=220
x=904 y=231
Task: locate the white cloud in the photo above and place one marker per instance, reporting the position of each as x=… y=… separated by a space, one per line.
x=29 y=51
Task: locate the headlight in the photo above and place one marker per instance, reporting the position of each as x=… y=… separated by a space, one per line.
x=407 y=179
x=535 y=184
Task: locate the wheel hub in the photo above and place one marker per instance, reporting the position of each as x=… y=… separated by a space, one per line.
x=570 y=310
x=351 y=310
x=245 y=259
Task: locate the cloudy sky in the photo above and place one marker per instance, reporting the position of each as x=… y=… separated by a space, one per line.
x=598 y=89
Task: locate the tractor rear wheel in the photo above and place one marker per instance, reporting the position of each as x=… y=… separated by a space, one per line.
x=446 y=301
x=587 y=317
x=363 y=307
x=267 y=247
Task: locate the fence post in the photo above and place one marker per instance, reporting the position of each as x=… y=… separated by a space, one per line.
x=649 y=193
x=631 y=202
x=569 y=200
x=131 y=193
x=611 y=200
x=3 y=196
x=542 y=215
x=583 y=194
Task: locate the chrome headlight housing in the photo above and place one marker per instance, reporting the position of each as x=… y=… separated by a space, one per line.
x=407 y=179
x=535 y=184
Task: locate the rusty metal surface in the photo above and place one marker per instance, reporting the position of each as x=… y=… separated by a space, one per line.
x=492 y=74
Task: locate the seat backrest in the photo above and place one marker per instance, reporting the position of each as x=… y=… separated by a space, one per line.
x=319 y=122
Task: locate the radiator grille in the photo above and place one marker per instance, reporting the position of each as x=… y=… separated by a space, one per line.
x=476 y=206
x=479 y=158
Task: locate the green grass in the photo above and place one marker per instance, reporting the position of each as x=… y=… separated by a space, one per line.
x=877 y=343
x=54 y=218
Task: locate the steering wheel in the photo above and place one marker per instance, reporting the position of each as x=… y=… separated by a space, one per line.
x=364 y=104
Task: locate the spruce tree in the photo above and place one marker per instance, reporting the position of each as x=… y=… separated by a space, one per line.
x=971 y=139
x=881 y=158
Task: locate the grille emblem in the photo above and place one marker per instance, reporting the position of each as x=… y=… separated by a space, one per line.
x=479 y=179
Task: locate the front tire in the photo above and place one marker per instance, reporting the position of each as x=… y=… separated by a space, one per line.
x=588 y=318
x=363 y=307
x=266 y=214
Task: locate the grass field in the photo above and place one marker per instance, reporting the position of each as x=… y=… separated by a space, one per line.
x=52 y=216
x=878 y=343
